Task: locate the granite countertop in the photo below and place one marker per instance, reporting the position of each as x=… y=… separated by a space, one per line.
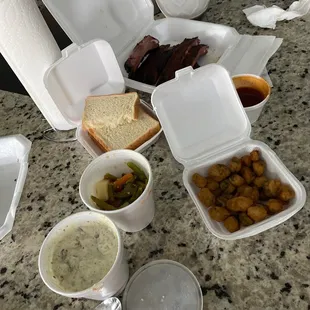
x=267 y=271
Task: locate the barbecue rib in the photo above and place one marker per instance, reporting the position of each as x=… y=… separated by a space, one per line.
x=140 y=51
x=152 y=67
x=194 y=54
x=175 y=62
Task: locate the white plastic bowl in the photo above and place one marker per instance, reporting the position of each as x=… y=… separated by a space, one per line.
x=138 y=214
x=115 y=280
x=275 y=169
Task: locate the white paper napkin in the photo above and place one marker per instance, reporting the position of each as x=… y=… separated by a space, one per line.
x=259 y=15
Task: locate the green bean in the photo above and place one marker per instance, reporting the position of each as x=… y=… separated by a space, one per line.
x=125 y=204
x=110 y=177
x=133 y=197
x=131 y=180
x=139 y=172
x=102 y=205
x=127 y=192
x=141 y=184
x=110 y=192
x=139 y=192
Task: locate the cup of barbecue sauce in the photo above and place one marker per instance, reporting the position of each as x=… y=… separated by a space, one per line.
x=253 y=92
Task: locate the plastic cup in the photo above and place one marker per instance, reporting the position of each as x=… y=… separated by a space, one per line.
x=138 y=214
x=114 y=281
x=256 y=82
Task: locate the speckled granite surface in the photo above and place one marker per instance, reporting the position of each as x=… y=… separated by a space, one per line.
x=268 y=271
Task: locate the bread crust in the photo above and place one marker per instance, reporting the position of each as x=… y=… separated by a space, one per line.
x=134 y=145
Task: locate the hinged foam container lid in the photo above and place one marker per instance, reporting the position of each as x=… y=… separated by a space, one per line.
x=120 y=22
x=200 y=112
x=89 y=69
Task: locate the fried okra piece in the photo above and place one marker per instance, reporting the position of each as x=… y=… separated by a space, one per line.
x=239 y=204
x=212 y=185
x=247 y=174
x=255 y=155
x=286 y=193
x=272 y=188
x=245 y=220
x=246 y=160
x=206 y=197
x=248 y=191
x=236 y=180
x=257 y=213
x=222 y=200
x=218 y=172
x=235 y=164
x=226 y=187
x=231 y=224
x=274 y=206
x=199 y=180
x=259 y=167
x=260 y=181
x=219 y=214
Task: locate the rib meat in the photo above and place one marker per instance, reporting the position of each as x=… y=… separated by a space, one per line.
x=140 y=51
x=194 y=54
x=175 y=62
x=151 y=68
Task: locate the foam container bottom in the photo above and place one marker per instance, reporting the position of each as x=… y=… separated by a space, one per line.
x=275 y=169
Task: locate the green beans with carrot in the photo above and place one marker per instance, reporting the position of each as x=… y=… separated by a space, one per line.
x=114 y=193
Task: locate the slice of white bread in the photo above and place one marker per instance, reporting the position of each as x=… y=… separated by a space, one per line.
x=110 y=110
x=126 y=136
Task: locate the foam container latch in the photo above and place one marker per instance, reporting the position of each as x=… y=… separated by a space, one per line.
x=124 y=23
x=204 y=123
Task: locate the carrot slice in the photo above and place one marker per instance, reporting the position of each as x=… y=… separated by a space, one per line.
x=121 y=181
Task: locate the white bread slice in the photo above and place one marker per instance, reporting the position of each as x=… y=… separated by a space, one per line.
x=126 y=136
x=110 y=110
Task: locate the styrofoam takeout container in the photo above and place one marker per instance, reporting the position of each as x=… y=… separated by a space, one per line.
x=14 y=151
x=115 y=280
x=205 y=123
x=138 y=214
x=182 y=8
x=87 y=70
x=124 y=23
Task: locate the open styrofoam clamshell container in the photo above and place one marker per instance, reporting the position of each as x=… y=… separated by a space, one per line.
x=205 y=123
x=86 y=70
x=14 y=152
x=124 y=23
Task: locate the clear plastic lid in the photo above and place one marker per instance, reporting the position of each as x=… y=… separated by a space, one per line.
x=200 y=112
x=90 y=69
x=119 y=22
x=161 y=285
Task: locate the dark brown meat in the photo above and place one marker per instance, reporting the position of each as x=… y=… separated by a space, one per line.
x=151 y=68
x=194 y=54
x=175 y=62
x=139 y=52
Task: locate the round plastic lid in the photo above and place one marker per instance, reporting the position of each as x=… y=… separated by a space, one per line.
x=162 y=285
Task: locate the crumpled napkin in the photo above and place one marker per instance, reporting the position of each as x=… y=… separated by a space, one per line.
x=259 y=15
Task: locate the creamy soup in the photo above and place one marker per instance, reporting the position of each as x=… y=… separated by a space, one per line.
x=83 y=255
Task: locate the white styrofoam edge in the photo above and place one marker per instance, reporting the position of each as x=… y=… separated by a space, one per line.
x=261 y=226
x=94 y=150
x=186 y=17
x=9 y=221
